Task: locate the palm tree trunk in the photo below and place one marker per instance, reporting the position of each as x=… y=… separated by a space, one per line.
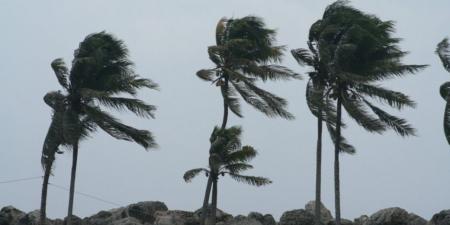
x=318 y=170
x=214 y=201
x=337 y=192
x=72 y=183
x=225 y=104
x=206 y=201
x=47 y=173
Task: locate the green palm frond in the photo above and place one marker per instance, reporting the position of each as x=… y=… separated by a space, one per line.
x=399 y=125
x=206 y=75
x=392 y=98
x=138 y=107
x=245 y=154
x=230 y=98
x=61 y=72
x=303 y=57
x=191 y=174
x=237 y=168
x=344 y=146
x=443 y=51
x=447 y=121
x=250 y=180
x=357 y=111
x=118 y=130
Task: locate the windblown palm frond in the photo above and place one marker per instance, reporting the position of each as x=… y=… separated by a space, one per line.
x=245 y=53
x=190 y=174
x=443 y=51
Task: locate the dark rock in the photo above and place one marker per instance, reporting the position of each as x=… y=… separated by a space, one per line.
x=297 y=217
x=441 y=218
x=389 y=216
x=10 y=215
x=362 y=220
x=144 y=211
x=325 y=214
x=414 y=219
x=221 y=216
x=176 y=217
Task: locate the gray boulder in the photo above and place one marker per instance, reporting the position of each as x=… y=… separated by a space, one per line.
x=127 y=221
x=389 y=216
x=362 y=220
x=31 y=218
x=144 y=211
x=441 y=218
x=106 y=217
x=221 y=216
x=325 y=214
x=242 y=221
x=175 y=217
x=297 y=217
x=414 y=219
x=263 y=219
x=343 y=222
x=10 y=215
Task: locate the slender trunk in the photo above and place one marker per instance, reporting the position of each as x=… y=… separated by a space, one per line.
x=318 y=170
x=47 y=173
x=225 y=104
x=214 y=201
x=72 y=183
x=204 y=214
x=337 y=192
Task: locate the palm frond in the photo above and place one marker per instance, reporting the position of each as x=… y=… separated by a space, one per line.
x=230 y=98
x=271 y=72
x=237 y=168
x=303 y=57
x=358 y=112
x=447 y=121
x=118 y=130
x=443 y=51
x=344 y=145
x=191 y=174
x=206 y=75
x=393 y=98
x=61 y=72
x=250 y=180
x=399 y=125
x=245 y=154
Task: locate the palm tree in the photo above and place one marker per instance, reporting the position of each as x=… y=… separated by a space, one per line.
x=53 y=141
x=316 y=91
x=359 y=51
x=443 y=51
x=228 y=157
x=100 y=73
x=244 y=54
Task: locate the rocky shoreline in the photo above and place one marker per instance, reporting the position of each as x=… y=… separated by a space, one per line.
x=157 y=213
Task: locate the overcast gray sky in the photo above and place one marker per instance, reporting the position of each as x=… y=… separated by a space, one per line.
x=167 y=41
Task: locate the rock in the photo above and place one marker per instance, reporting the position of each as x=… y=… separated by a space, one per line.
x=325 y=214
x=127 y=221
x=75 y=220
x=175 y=217
x=441 y=218
x=144 y=211
x=106 y=217
x=221 y=216
x=362 y=220
x=31 y=218
x=10 y=215
x=343 y=222
x=414 y=219
x=263 y=219
x=243 y=221
x=297 y=217
x=389 y=216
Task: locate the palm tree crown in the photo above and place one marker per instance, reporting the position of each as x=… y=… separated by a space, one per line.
x=443 y=51
x=244 y=54
x=229 y=157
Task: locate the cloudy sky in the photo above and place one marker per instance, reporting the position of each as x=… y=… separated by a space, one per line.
x=167 y=41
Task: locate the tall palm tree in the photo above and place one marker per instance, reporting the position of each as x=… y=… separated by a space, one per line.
x=245 y=52
x=316 y=92
x=443 y=51
x=100 y=74
x=359 y=51
x=54 y=140
x=228 y=157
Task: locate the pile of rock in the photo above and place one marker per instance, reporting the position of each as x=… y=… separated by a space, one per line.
x=157 y=213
